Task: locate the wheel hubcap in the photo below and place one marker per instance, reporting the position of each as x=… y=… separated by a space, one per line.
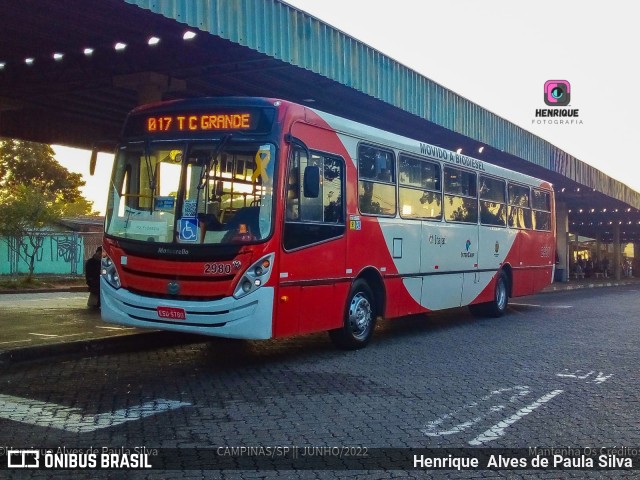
x=501 y=295
x=360 y=315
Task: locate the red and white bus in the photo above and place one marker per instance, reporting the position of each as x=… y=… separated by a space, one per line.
x=258 y=218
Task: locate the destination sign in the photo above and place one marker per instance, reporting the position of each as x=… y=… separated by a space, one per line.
x=201 y=122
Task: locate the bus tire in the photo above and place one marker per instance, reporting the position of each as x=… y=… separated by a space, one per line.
x=359 y=319
x=498 y=306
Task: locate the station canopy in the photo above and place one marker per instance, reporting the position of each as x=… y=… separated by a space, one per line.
x=70 y=71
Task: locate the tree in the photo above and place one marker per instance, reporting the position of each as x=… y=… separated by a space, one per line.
x=35 y=191
x=81 y=206
x=26 y=212
x=29 y=163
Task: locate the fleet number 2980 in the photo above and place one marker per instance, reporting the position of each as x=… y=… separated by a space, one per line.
x=217 y=268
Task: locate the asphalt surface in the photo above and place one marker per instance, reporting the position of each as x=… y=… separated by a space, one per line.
x=44 y=323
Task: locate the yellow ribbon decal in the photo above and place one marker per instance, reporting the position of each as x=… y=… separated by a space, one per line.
x=262 y=160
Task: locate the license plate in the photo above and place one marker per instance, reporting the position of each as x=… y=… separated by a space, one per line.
x=172 y=313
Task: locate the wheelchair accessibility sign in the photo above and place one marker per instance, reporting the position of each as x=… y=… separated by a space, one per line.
x=188 y=229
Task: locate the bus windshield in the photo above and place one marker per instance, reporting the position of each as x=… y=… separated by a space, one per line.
x=192 y=192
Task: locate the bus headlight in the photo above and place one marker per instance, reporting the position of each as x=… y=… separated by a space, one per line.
x=256 y=275
x=109 y=272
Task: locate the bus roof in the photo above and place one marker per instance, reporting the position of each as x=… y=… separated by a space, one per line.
x=422 y=149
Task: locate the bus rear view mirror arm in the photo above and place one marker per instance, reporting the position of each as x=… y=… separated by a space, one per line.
x=101 y=146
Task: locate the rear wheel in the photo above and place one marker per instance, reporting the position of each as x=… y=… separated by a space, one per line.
x=498 y=305
x=359 y=321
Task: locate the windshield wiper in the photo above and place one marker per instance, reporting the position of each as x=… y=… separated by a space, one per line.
x=151 y=173
x=213 y=156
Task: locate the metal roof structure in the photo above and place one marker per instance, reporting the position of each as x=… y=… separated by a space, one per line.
x=54 y=90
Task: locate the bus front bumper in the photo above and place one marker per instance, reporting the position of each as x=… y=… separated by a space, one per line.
x=249 y=317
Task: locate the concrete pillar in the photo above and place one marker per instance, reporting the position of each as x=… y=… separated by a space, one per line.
x=562 y=239
x=149 y=85
x=617 y=253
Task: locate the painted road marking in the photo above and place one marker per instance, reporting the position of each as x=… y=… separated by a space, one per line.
x=494 y=403
x=48 y=335
x=600 y=378
x=574 y=375
x=438 y=427
x=498 y=429
x=539 y=306
x=16 y=341
x=43 y=414
x=118 y=328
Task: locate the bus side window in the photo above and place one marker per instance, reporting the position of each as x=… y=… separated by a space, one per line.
x=376 y=181
x=461 y=199
x=519 y=207
x=541 y=203
x=493 y=208
x=419 y=188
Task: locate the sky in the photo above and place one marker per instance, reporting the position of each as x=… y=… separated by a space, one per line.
x=96 y=186
x=498 y=54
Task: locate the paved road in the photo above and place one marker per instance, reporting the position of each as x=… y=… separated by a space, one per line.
x=52 y=318
x=558 y=370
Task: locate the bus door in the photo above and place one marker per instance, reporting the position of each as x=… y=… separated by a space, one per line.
x=420 y=204
x=441 y=265
x=312 y=264
x=456 y=242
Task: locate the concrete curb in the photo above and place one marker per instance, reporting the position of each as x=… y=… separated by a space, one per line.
x=98 y=346
x=579 y=286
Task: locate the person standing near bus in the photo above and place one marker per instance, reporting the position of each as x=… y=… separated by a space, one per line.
x=92 y=269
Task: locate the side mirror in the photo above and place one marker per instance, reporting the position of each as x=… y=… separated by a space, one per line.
x=311 y=183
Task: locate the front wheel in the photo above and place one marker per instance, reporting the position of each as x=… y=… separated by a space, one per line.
x=359 y=321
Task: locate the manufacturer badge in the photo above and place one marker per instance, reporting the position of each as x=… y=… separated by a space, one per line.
x=173 y=288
